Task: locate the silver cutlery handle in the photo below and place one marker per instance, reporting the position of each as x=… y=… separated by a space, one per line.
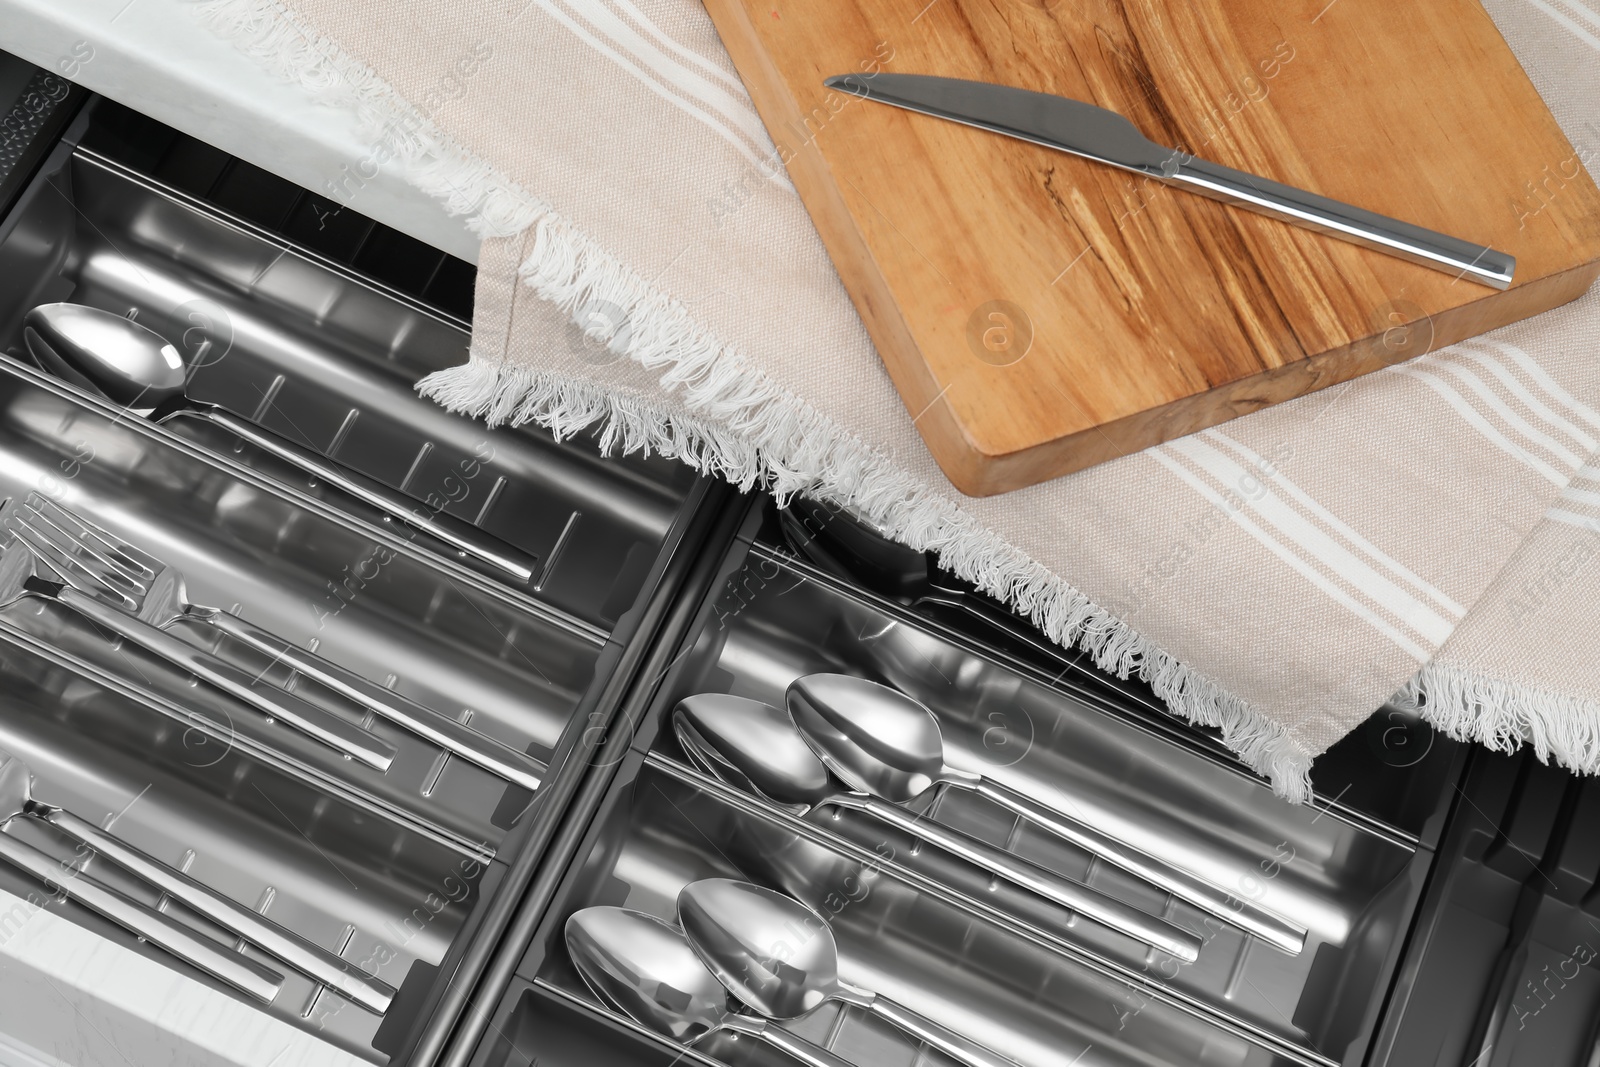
x=959 y=1048
x=472 y=746
x=1105 y=910
x=1344 y=221
x=332 y=971
x=238 y=971
x=781 y=1039
x=1234 y=910
x=328 y=728
x=462 y=536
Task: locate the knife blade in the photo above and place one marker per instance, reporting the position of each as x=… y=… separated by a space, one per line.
x=1095 y=133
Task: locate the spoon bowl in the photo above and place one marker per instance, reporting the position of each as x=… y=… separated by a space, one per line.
x=876 y=739
x=779 y=957
x=645 y=969
x=775 y=954
x=126 y=362
x=751 y=745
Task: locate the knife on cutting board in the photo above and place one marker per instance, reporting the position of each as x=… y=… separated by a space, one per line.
x=1106 y=137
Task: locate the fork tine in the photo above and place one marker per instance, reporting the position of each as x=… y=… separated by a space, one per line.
x=64 y=545
x=72 y=570
x=137 y=565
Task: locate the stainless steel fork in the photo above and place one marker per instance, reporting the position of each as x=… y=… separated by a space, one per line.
x=156 y=594
x=26 y=569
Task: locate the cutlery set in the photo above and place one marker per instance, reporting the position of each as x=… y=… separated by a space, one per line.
x=58 y=556
x=1000 y=907
x=52 y=554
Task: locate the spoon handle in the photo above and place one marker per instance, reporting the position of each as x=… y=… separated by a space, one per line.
x=1030 y=876
x=781 y=1039
x=461 y=536
x=1235 y=910
x=959 y=1048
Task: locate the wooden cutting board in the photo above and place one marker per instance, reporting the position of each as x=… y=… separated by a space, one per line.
x=1040 y=313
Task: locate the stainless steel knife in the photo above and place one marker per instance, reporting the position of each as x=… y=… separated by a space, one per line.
x=1106 y=137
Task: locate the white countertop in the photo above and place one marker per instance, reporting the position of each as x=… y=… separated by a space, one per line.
x=153 y=56
x=73 y=998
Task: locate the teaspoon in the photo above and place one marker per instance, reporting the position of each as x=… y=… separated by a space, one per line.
x=880 y=741
x=644 y=968
x=756 y=747
x=779 y=957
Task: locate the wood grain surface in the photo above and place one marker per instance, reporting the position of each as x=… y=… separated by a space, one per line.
x=1041 y=313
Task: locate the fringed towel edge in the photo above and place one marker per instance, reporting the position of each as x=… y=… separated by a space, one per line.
x=738 y=423
x=1504 y=715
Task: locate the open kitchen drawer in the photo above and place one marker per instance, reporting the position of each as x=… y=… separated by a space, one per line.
x=1416 y=873
x=409 y=873
x=1037 y=984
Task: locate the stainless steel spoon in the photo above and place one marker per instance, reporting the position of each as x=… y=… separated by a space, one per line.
x=756 y=747
x=644 y=968
x=339 y=974
x=880 y=741
x=779 y=957
x=137 y=367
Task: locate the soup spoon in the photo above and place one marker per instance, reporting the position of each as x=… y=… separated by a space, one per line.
x=880 y=741
x=779 y=957
x=756 y=747
x=644 y=968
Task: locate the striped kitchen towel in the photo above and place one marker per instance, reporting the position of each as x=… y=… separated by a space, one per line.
x=647 y=270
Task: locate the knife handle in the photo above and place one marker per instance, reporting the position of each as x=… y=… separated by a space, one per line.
x=307 y=958
x=1343 y=221
x=188 y=945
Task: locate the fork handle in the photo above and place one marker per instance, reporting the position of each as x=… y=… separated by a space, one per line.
x=318 y=963
x=450 y=735
x=461 y=536
x=351 y=740
x=241 y=972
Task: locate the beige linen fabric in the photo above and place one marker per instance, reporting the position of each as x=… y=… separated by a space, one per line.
x=648 y=269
